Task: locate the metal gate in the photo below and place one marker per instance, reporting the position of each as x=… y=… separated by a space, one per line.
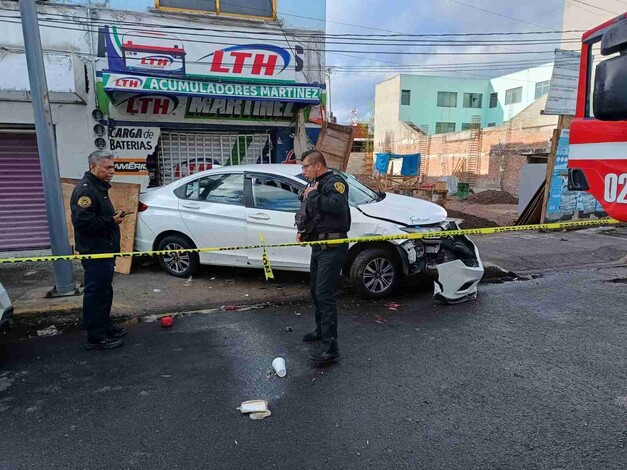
x=182 y=154
x=23 y=222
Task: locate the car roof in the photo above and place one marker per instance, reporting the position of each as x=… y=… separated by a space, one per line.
x=273 y=168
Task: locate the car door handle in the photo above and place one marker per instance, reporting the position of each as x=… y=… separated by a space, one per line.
x=259 y=216
x=191 y=206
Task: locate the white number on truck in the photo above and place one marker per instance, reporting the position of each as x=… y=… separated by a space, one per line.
x=616 y=188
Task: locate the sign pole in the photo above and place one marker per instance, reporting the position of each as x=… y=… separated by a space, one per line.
x=63 y=276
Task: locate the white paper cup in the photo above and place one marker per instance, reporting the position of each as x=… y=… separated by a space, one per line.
x=279 y=366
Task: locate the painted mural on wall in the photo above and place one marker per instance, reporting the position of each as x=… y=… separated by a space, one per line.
x=563 y=204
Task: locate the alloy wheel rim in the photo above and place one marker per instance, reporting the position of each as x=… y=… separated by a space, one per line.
x=379 y=275
x=176 y=262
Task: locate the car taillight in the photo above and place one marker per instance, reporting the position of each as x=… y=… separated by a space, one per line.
x=141 y=207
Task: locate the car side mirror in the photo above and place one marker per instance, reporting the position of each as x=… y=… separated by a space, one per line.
x=610 y=99
x=577 y=180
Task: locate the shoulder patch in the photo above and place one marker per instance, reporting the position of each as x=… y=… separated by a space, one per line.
x=84 y=202
x=85 y=185
x=340 y=187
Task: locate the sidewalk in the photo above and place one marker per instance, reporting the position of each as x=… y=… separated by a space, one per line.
x=150 y=291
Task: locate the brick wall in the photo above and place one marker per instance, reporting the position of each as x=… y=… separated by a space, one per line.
x=501 y=153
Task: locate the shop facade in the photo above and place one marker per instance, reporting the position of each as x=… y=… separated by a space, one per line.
x=169 y=93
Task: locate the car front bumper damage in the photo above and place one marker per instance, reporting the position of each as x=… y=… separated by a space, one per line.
x=453 y=261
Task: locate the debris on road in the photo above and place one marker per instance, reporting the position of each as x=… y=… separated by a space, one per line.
x=188 y=283
x=289 y=329
x=167 y=322
x=50 y=331
x=260 y=416
x=30 y=273
x=278 y=364
x=393 y=306
x=253 y=406
x=156 y=290
x=379 y=319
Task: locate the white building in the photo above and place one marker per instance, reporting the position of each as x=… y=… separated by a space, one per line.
x=168 y=90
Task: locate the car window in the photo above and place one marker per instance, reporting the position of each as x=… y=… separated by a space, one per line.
x=358 y=193
x=274 y=194
x=221 y=189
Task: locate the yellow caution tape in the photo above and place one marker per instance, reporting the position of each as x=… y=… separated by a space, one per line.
x=374 y=238
x=267 y=268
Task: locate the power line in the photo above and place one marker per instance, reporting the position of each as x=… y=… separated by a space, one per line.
x=594 y=6
x=88 y=29
x=144 y=26
x=498 y=14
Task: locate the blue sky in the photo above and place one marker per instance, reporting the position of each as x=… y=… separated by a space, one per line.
x=356 y=90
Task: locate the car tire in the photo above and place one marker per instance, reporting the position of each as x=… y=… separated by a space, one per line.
x=364 y=270
x=178 y=265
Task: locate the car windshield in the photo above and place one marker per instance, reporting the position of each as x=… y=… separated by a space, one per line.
x=358 y=193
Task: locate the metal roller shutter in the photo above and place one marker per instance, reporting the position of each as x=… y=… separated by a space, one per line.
x=182 y=154
x=23 y=222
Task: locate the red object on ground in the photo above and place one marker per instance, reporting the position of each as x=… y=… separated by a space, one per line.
x=167 y=322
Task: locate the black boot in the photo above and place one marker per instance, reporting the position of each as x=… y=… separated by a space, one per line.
x=312 y=336
x=326 y=355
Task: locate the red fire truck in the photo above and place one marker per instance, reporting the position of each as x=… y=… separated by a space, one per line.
x=597 y=159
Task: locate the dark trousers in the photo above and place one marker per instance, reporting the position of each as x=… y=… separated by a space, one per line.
x=98 y=297
x=326 y=267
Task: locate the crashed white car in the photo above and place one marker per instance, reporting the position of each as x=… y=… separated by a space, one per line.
x=231 y=206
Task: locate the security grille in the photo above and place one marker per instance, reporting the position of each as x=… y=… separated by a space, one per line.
x=23 y=221
x=183 y=154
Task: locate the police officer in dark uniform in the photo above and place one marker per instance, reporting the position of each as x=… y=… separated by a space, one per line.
x=324 y=215
x=96 y=230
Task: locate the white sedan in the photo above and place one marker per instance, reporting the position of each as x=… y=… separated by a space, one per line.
x=230 y=206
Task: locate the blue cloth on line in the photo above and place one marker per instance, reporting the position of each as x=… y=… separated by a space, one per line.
x=411 y=163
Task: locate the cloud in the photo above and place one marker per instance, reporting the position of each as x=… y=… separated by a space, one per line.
x=356 y=89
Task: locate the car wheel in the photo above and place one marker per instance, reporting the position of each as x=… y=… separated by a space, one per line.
x=374 y=273
x=178 y=264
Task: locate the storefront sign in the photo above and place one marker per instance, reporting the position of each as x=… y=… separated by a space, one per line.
x=114 y=82
x=239 y=109
x=131 y=146
x=229 y=55
x=149 y=105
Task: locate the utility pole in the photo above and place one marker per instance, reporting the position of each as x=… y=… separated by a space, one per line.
x=63 y=276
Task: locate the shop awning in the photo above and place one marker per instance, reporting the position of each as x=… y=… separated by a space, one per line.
x=131 y=83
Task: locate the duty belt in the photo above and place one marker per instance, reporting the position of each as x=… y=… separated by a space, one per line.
x=332 y=236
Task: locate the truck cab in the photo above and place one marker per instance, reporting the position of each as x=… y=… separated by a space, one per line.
x=598 y=135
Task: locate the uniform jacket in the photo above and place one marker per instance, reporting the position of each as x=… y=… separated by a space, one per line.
x=95 y=231
x=330 y=204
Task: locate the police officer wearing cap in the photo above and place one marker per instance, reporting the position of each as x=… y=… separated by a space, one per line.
x=96 y=230
x=324 y=215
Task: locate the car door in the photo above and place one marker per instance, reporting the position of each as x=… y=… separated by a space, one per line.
x=272 y=206
x=213 y=210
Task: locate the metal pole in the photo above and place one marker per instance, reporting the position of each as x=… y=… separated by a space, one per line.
x=63 y=276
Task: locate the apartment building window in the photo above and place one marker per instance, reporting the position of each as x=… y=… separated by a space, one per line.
x=447 y=99
x=513 y=95
x=492 y=124
x=405 y=97
x=473 y=100
x=264 y=9
x=494 y=100
x=542 y=88
x=466 y=126
x=444 y=127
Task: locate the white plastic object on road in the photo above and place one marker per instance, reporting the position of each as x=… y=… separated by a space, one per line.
x=279 y=367
x=254 y=406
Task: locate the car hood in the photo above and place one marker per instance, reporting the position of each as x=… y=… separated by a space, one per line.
x=405 y=210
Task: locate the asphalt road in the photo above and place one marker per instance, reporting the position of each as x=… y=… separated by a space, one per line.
x=531 y=375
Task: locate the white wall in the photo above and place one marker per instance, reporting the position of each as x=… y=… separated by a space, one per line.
x=387 y=102
x=526 y=79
